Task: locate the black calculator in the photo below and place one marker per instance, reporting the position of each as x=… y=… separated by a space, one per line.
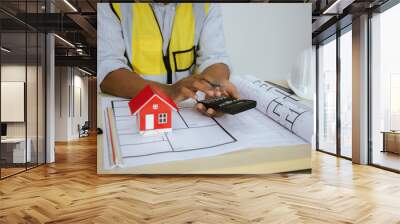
x=228 y=105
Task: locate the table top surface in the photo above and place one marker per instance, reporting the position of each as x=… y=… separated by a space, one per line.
x=13 y=140
x=391 y=132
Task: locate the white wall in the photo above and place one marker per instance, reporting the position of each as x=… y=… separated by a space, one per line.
x=15 y=72
x=70 y=83
x=80 y=94
x=33 y=126
x=266 y=39
x=62 y=81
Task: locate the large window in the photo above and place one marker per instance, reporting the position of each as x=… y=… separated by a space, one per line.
x=385 y=89
x=327 y=96
x=346 y=93
x=335 y=74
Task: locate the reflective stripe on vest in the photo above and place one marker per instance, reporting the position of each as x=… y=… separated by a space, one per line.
x=147 y=56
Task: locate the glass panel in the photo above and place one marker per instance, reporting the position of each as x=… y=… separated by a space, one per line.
x=13 y=87
x=32 y=88
x=22 y=63
x=41 y=99
x=31 y=98
x=385 y=86
x=346 y=94
x=15 y=7
x=327 y=96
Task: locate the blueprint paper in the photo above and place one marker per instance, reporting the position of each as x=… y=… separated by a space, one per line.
x=284 y=108
x=193 y=135
x=278 y=120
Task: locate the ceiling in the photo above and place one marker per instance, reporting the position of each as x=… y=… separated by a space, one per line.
x=72 y=20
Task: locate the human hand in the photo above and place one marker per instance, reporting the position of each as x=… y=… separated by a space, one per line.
x=188 y=86
x=227 y=89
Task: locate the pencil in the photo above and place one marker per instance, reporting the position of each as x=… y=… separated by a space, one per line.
x=113 y=138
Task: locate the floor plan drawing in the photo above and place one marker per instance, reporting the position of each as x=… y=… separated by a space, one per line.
x=278 y=105
x=204 y=133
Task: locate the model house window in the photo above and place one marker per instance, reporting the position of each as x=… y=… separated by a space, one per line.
x=155 y=106
x=162 y=118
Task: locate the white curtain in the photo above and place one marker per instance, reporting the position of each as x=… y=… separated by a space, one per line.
x=302 y=76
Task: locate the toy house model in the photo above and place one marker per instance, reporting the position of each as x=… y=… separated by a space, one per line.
x=153 y=111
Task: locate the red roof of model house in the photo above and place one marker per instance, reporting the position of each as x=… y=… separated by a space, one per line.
x=145 y=95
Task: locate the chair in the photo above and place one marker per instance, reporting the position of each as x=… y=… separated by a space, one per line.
x=84 y=130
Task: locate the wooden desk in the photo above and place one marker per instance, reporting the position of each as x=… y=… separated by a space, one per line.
x=13 y=150
x=391 y=141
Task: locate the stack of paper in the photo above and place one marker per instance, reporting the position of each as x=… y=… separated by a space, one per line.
x=277 y=121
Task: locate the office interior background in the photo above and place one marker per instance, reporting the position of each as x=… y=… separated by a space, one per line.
x=48 y=82
x=48 y=106
x=48 y=77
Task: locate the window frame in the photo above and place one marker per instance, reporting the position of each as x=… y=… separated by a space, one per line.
x=162 y=118
x=27 y=29
x=334 y=37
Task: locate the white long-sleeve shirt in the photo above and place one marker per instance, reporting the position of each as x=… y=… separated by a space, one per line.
x=111 y=44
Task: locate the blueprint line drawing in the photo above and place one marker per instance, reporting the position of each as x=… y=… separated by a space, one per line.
x=171 y=141
x=282 y=107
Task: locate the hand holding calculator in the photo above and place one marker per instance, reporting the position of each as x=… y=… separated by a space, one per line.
x=228 y=105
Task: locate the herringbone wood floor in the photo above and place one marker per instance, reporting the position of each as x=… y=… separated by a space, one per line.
x=69 y=191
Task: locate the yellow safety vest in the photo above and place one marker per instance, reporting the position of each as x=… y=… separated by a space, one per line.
x=147 y=57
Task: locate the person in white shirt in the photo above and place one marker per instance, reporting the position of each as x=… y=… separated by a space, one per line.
x=178 y=48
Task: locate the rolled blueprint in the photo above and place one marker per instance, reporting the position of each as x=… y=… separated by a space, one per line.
x=280 y=106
